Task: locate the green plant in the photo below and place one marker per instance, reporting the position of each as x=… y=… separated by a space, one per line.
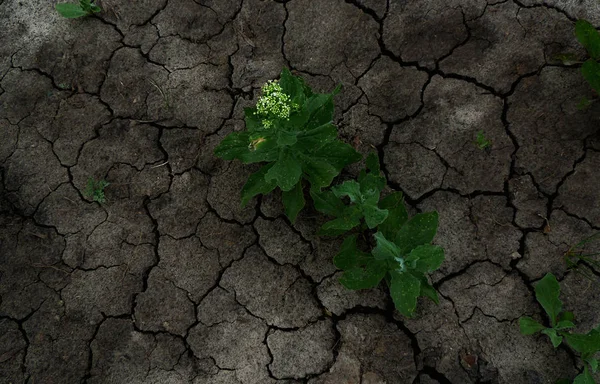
x=95 y=190
x=481 y=141
x=577 y=253
x=291 y=130
x=547 y=292
x=589 y=37
x=402 y=252
x=74 y=10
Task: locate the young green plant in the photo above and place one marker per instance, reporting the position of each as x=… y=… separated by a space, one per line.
x=481 y=141
x=75 y=10
x=547 y=292
x=95 y=190
x=403 y=254
x=290 y=130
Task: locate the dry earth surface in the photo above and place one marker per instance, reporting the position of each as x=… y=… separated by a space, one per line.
x=172 y=282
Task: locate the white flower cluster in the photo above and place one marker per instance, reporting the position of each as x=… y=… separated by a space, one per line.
x=273 y=104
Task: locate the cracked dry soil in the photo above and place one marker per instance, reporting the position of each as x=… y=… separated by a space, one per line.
x=171 y=282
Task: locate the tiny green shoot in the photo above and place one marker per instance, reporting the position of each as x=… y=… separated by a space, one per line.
x=95 y=190
x=481 y=141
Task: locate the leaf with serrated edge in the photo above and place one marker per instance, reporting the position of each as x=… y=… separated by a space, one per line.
x=547 y=291
x=405 y=289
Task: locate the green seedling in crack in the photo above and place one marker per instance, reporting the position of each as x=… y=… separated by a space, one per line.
x=481 y=141
x=577 y=254
x=290 y=130
x=547 y=292
x=402 y=254
x=76 y=10
x=95 y=190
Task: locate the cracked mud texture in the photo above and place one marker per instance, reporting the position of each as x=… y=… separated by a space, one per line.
x=172 y=281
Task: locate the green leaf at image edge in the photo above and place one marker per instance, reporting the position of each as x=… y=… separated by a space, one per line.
x=584 y=378
x=589 y=37
x=591 y=72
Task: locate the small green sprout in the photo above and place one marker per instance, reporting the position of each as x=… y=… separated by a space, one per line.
x=95 y=190
x=547 y=293
x=577 y=253
x=73 y=11
x=481 y=141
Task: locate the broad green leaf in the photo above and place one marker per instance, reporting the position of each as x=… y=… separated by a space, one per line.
x=584 y=378
x=588 y=343
x=349 y=219
x=253 y=122
x=287 y=171
x=593 y=363
x=238 y=145
x=364 y=278
x=318 y=172
x=566 y=315
x=372 y=163
x=349 y=255
x=563 y=381
x=589 y=37
x=529 y=326
x=292 y=86
x=349 y=188
x=554 y=337
x=405 y=289
x=327 y=203
x=374 y=216
x=257 y=184
x=70 y=10
x=417 y=231
x=547 y=291
x=564 y=324
x=591 y=72
x=320 y=108
x=285 y=138
x=293 y=202
x=316 y=138
x=426 y=258
x=427 y=290
x=385 y=249
x=338 y=154
x=95 y=8
x=397 y=214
